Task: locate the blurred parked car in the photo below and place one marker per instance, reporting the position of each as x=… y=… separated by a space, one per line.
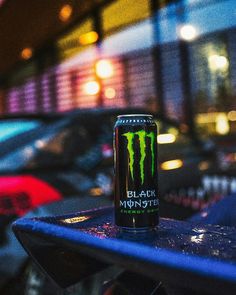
x=49 y=157
x=45 y=158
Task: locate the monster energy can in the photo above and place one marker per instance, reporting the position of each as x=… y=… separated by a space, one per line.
x=136 y=201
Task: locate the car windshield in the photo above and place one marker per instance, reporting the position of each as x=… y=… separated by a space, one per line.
x=12 y=128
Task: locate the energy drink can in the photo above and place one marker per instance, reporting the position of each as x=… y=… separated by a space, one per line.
x=136 y=187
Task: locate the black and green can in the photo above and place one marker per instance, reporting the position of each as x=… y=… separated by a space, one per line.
x=136 y=183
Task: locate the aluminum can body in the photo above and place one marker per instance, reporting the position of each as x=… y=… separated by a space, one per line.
x=136 y=183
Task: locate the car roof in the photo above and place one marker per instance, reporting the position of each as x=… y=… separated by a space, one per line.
x=84 y=113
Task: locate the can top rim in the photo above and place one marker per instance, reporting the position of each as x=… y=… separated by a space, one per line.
x=135 y=115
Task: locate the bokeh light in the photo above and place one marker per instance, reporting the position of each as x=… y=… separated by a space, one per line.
x=26 y=53
x=104 y=69
x=232 y=115
x=218 y=62
x=88 y=38
x=188 y=32
x=110 y=93
x=166 y=138
x=172 y=164
x=222 y=124
x=65 y=12
x=203 y=165
x=92 y=88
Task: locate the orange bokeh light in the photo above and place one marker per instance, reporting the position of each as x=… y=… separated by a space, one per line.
x=88 y=38
x=26 y=53
x=65 y=12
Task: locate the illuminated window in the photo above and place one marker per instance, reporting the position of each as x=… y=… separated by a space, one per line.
x=75 y=40
x=64 y=94
x=30 y=103
x=46 y=93
x=211 y=85
x=13 y=100
x=124 y=12
x=218 y=62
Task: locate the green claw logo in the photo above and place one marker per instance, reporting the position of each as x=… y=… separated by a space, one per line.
x=142 y=135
